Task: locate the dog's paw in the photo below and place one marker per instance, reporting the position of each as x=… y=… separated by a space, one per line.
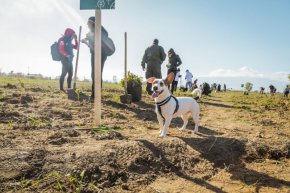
x=181 y=129
x=163 y=134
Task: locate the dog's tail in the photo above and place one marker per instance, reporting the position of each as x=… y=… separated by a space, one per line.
x=196 y=93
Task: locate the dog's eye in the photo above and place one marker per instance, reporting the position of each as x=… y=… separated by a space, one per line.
x=161 y=83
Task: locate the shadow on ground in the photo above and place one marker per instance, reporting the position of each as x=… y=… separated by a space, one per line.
x=160 y=154
x=229 y=153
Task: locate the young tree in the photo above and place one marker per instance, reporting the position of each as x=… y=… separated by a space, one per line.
x=247 y=88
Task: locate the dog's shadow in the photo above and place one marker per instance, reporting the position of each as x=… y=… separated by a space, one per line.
x=158 y=152
x=224 y=153
x=228 y=153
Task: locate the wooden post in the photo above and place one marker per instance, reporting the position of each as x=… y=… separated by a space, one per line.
x=77 y=58
x=98 y=74
x=125 y=63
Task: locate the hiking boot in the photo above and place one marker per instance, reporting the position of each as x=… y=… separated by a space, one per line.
x=64 y=91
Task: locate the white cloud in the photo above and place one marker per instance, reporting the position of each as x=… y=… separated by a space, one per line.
x=247 y=72
x=281 y=76
x=242 y=72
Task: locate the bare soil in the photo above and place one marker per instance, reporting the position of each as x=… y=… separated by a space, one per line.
x=48 y=144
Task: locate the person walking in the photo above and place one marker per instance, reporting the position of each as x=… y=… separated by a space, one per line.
x=174 y=61
x=175 y=82
x=286 y=91
x=154 y=56
x=107 y=49
x=188 y=79
x=66 y=52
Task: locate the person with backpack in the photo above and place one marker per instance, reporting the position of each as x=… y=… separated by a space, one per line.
x=174 y=61
x=175 y=81
x=107 y=49
x=65 y=48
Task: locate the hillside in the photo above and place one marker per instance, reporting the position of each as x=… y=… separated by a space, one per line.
x=48 y=143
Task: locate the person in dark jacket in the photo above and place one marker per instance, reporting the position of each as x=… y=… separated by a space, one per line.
x=90 y=42
x=286 y=91
x=154 y=56
x=175 y=82
x=174 y=61
x=66 y=51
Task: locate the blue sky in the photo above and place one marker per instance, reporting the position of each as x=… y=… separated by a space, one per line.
x=224 y=38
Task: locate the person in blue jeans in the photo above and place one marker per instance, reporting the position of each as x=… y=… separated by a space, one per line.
x=188 y=78
x=66 y=51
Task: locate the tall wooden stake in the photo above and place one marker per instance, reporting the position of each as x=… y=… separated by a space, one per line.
x=98 y=74
x=77 y=58
x=125 y=62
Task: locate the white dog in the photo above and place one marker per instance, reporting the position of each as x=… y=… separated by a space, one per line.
x=168 y=106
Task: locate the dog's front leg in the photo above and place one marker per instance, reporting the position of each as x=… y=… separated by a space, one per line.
x=160 y=120
x=165 y=127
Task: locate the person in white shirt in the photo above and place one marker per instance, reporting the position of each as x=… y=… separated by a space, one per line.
x=188 y=78
x=175 y=81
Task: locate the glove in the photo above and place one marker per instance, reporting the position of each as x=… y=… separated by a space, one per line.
x=70 y=58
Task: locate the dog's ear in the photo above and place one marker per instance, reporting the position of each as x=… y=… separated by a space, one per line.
x=151 y=80
x=170 y=77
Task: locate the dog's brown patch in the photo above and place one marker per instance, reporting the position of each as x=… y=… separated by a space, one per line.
x=170 y=77
x=155 y=81
x=151 y=79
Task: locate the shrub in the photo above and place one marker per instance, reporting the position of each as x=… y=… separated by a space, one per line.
x=132 y=79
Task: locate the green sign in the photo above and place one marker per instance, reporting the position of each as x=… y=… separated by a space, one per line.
x=97 y=4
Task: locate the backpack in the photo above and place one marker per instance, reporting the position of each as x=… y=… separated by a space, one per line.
x=54 y=50
x=108 y=45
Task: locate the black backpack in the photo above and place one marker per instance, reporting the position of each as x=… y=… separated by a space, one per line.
x=108 y=46
x=54 y=50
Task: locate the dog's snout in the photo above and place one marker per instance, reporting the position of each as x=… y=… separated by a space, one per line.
x=155 y=88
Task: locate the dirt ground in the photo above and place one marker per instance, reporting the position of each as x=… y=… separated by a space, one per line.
x=47 y=144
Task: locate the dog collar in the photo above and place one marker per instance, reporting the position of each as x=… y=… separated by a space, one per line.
x=165 y=101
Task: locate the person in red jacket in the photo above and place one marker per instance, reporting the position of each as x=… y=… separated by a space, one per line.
x=66 y=51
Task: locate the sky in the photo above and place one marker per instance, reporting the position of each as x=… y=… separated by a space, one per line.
x=225 y=39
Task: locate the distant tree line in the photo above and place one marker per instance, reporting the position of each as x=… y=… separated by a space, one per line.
x=13 y=74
